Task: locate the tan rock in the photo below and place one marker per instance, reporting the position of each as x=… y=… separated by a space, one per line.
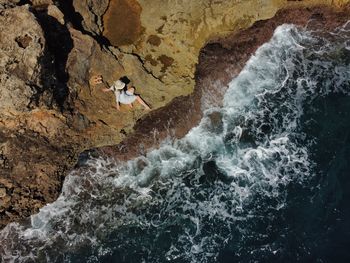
x=53 y=11
x=93 y=11
x=158 y=43
x=2 y=192
x=6 y=183
x=9 y=2
x=21 y=46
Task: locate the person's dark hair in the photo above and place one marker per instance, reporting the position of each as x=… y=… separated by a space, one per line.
x=125 y=79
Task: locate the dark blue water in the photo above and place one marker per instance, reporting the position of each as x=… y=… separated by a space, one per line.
x=265 y=178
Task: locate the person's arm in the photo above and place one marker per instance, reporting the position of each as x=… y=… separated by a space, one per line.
x=106 y=87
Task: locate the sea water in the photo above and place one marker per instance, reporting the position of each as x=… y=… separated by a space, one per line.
x=264 y=178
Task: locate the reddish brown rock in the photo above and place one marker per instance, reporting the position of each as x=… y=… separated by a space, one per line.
x=122 y=23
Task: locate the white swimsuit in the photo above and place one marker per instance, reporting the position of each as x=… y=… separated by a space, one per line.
x=121 y=95
x=126 y=97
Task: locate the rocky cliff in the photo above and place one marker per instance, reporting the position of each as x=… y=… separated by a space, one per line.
x=50 y=112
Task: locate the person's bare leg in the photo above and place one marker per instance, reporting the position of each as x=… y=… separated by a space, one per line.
x=130 y=105
x=139 y=100
x=116 y=107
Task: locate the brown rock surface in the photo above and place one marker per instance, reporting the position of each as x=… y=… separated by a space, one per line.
x=159 y=48
x=126 y=14
x=173 y=32
x=49 y=113
x=220 y=60
x=34 y=149
x=92 y=10
x=22 y=44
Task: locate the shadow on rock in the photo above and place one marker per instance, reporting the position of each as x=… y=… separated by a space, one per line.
x=58 y=46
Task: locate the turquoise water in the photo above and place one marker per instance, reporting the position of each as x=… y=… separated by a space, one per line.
x=262 y=179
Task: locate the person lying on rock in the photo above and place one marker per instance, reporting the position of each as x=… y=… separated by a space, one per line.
x=122 y=95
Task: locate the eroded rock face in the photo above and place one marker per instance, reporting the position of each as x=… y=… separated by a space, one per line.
x=34 y=153
x=21 y=46
x=93 y=11
x=49 y=50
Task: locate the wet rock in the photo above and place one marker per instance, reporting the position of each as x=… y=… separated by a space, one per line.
x=216 y=124
x=33 y=174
